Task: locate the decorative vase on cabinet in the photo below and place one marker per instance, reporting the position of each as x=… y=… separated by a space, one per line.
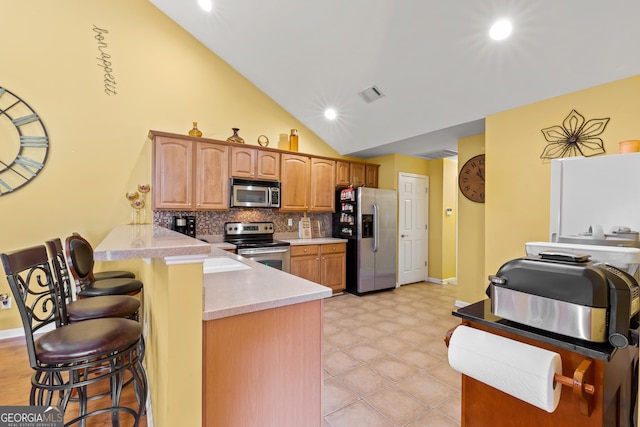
x=195 y=131
x=235 y=137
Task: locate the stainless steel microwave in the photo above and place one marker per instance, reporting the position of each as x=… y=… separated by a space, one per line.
x=247 y=193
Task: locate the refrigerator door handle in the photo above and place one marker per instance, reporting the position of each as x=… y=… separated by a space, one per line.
x=376 y=227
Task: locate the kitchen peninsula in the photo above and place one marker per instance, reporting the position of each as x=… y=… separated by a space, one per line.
x=247 y=336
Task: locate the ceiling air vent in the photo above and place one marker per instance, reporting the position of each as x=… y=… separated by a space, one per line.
x=371 y=94
x=438 y=154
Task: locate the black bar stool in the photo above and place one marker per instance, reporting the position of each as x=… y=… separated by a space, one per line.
x=73 y=357
x=109 y=274
x=87 y=308
x=80 y=262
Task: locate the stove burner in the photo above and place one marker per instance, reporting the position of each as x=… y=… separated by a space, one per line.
x=251 y=235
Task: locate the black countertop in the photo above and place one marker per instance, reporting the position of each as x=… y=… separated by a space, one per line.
x=480 y=312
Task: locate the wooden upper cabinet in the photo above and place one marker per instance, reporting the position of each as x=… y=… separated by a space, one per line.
x=243 y=162
x=308 y=184
x=268 y=165
x=343 y=173
x=172 y=174
x=371 y=176
x=212 y=172
x=193 y=174
x=323 y=185
x=295 y=173
x=357 y=174
x=252 y=163
x=189 y=175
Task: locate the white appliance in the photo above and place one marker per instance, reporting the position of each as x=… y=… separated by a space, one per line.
x=624 y=258
x=593 y=202
x=600 y=193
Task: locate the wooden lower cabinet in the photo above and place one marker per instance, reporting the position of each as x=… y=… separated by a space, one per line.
x=615 y=386
x=333 y=266
x=264 y=368
x=305 y=262
x=325 y=264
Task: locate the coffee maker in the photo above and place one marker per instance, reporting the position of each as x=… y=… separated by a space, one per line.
x=184 y=224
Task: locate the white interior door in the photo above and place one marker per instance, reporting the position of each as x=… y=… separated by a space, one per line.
x=413 y=250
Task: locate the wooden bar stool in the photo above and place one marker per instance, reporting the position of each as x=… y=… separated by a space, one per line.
x=73 y=359
x=87 y=308
x=80 y=262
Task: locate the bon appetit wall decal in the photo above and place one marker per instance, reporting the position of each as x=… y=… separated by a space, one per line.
x=104 y=60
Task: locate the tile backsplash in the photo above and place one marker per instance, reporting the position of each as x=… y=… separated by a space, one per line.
x=212 y=222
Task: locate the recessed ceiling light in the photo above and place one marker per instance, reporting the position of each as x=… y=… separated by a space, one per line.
x=330 y=114
x=500 y=30
x=206 y=5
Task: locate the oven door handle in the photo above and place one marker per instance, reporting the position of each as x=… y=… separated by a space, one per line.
x=261 y=251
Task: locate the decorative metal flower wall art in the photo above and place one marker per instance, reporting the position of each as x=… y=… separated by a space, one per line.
x=574 y=138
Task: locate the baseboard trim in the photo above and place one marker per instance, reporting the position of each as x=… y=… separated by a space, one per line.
x=461 y=304
x=449 y=281
x=11 y=333
x=19 y=332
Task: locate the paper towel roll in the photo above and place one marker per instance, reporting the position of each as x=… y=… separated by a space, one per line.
x=521 y=370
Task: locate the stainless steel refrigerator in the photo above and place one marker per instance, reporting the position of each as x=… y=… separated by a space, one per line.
x=367 y=218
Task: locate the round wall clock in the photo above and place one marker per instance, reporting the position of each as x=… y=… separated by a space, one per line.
x=471 y=179
x=24 y=143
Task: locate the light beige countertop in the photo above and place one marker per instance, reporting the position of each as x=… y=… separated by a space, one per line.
x=225 y=293
x=260 y=287
x=147 y=241
x=223 y=245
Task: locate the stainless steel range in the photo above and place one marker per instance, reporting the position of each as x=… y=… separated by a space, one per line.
x=254 y=240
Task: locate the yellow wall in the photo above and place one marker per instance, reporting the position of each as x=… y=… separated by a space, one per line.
x=443 y=186
x=436 y=188
x=518 y=181
x=471 y=276
x=165 y=80
x=387 y=177
x=449 y=222
x=391 y=165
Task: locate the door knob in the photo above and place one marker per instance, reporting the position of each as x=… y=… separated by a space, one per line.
x=404 y=235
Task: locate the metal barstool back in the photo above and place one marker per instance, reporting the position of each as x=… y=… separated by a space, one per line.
x=80 y=262
x=87 y=308
x=71 y=358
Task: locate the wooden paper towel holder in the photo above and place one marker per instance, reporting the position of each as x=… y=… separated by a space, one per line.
x=583 y=373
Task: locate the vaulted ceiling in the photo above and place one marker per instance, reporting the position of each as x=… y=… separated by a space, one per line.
x=433 y=60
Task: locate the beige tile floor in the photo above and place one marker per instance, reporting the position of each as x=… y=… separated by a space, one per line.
x=385 y=361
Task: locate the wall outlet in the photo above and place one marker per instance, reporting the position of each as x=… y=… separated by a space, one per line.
x=5 y=304
x=290 y=222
